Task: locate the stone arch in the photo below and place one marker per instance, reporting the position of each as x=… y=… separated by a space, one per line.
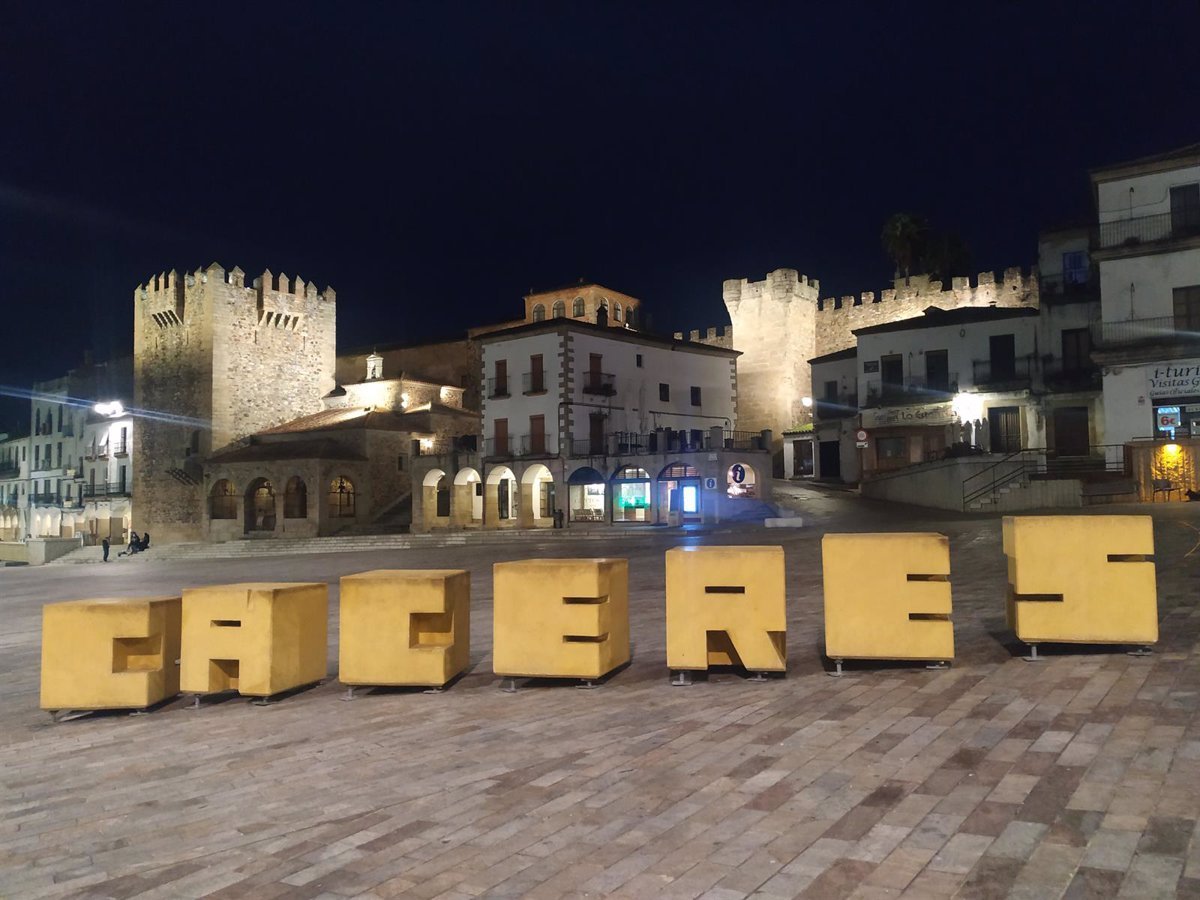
x=539 y=312
x=295 y=498
x=741 y=481
x=537 y=497
x=632 y=494
x=435 y=498
x=341 y=498
x=559 y=310
x=679 y=497
x=222 y=500
x=259 y=506
x=466 y=503
x=587 y=495
x=499 y=496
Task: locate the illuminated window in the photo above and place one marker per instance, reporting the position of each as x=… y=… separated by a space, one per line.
x=341 y=498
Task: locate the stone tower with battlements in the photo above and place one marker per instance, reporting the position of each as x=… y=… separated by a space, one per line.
x=216 y=360
x=774 y=325
x=782 y=322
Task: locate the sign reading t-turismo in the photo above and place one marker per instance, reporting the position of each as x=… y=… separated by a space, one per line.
x=1174 y=379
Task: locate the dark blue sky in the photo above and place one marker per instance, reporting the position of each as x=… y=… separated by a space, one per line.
x=435 y=161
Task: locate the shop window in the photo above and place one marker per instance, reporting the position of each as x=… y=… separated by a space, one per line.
x=891 y=448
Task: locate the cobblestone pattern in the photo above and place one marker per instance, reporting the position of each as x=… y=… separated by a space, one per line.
x=1076 y=777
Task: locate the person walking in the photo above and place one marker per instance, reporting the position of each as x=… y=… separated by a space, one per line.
x=106 y=545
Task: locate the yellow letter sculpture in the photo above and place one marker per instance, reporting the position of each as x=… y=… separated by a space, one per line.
x=563 y=618
x=110 y=654
x=404 y=627
x=887 y=596
x=256 y=639
x=726 y=606
x=1081 y=579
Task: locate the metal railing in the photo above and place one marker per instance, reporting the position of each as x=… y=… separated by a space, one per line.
x=1058 y=376
x=1014 y=373
x=533 y=383
x=838 y=407
x=497 y=387
x=1142 y=331
x=10 y=470
x=534 y=445
x=738 y=440
x=120 y=448
x=1132 y=232
x=1076 y=285
x=588 y=446
x=599 y=383
x=103 y=490
x=911 y=390
x=1032 y=462
x=48 y=499
x=498 y=448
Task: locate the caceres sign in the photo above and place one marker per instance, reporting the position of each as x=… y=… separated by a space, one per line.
x=1179 y=378
x=928 y=414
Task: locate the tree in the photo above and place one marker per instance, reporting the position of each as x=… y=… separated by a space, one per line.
x=945 y=255
x=904 y=236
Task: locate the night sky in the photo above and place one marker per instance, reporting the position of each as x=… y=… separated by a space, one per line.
x=434 y=162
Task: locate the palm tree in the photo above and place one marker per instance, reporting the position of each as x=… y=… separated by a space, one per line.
x=946 y=255
x=904 y=241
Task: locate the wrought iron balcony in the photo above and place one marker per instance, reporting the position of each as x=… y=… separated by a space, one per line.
x=599 y=383
x=534 y=445
x=838 y=407
x=45 y=499
x=105 y=490
x=1069 y=287
x=1002 y=374
x=915 y=389
x=497 y=387
x=533 y=383
x=120 y=448
x=1060 y=376
x=1156 y=229
x=10 y=470
x=1163 y=329
x=498 y=448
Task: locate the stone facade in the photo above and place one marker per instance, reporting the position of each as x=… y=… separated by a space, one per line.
x=781 y=322
x=219 y=360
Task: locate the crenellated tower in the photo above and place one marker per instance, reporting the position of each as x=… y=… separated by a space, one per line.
x=774 y=325
x=215 y=361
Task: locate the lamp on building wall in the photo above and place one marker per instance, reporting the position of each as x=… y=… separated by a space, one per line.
x=968 y=407
x=806 y=402
x=112 y=409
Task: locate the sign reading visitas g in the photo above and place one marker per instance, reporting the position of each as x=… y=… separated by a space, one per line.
x=1180 y=378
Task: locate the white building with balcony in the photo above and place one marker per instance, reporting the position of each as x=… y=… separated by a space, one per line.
x=14 y=487
x=600 y=426
x=1147 y=248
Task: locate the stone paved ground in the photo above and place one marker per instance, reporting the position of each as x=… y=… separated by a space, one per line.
x=1077 y=777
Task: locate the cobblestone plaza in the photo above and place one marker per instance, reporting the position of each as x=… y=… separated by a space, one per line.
x=1078 y=776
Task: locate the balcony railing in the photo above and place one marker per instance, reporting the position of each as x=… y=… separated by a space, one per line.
x=497 y=387
x=103 y=491
x=120 y=448
x=535 y=445
x=1143 y=331
x=1059 y=376
x=1067 y=286
x=45 y=499
x=599 y=383
x=498 y=448
x=1005 y=374
x=912 y=390
x=533 y=383
x=1133 y=232
x=10 y=470
x=838 y=407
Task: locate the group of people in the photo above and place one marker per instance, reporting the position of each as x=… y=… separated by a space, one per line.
x=137 y=543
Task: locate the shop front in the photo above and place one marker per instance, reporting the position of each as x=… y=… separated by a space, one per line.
x=1174 y=391
x=587 y=495
x=631 y=495
x=901 y=436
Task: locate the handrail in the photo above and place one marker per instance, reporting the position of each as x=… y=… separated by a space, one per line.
x=998 y=481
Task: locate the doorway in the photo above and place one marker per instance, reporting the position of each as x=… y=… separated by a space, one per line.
x=830 y=457
x=1004 y=424
x=1071 y=431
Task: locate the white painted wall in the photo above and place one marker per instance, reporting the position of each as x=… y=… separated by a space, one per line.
x=636 y=405
x=1150 y=194
x=518 y=407
x=1153 y=276
x=1128 y=412
x=964 y=343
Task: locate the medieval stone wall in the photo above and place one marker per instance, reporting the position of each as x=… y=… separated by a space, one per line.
x=215 y=361
x=780 y=323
